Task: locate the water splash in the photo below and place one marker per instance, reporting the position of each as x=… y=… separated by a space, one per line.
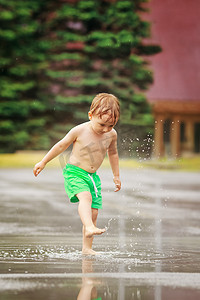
x=109 y=223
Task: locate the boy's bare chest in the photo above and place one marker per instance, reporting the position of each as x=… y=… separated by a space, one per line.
x=92 y=144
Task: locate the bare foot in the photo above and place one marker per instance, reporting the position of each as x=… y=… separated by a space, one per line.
x=90 y=231
x=88 y=251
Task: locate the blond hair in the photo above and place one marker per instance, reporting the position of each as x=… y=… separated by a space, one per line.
x=104 y=103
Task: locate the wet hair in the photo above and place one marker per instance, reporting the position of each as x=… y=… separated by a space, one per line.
x=104 y=103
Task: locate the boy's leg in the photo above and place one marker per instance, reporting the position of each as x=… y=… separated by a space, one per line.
x=85 y=212
x=87 y=241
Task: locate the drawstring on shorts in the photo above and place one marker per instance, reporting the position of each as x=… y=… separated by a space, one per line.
x=95 y=188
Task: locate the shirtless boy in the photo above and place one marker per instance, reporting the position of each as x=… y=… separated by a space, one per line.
x=91 y=141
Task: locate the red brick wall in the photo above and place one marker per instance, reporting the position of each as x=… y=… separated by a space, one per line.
x=176 y=28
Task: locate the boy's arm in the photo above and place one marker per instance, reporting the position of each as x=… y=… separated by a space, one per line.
x=114 y=161
x=58 y=148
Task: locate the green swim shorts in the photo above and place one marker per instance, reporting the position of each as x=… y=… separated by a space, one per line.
x=77 y=180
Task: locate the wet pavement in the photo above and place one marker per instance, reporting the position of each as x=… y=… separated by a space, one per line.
x=151 y=249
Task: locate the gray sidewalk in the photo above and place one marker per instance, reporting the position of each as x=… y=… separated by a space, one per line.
x=151 y=249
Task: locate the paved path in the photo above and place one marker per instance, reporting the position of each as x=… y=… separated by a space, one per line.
x=151 y=249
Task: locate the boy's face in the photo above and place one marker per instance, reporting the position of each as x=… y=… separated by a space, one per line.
x=102 y=124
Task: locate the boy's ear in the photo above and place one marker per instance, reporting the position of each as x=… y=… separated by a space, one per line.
x=90 y=115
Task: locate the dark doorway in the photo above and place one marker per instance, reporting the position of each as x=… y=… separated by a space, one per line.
x=183 y=139
x=197 y=137
x=166 y=131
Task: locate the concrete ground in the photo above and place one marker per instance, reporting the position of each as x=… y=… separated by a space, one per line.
x=151 y=249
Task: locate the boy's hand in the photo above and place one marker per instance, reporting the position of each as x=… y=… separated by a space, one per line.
x=38 y=168
x=117 y=182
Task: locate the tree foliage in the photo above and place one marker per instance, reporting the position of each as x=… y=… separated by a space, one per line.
x=57 y=55
x=23 y=57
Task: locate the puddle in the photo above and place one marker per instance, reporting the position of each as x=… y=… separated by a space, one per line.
x=151 y=249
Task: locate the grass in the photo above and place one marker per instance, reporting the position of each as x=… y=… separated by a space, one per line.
x=27 y=159
x=189 y=164
x=24 y=159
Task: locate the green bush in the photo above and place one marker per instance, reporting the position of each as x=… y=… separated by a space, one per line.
x=57 y=55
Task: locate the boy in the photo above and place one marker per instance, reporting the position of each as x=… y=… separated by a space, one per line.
x=91 y=141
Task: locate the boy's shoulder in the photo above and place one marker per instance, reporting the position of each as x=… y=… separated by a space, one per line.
x=114 y=133
x=79 y=128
